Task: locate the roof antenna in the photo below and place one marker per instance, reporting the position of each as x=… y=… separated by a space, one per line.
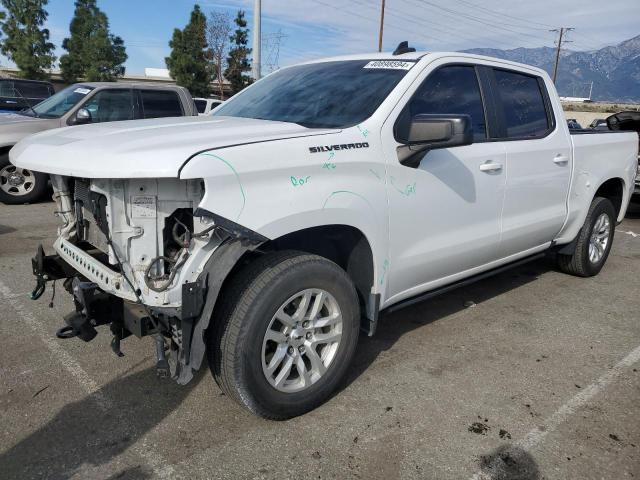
x=403 y=47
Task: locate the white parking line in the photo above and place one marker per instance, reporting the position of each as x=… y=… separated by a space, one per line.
x=628 y=232
x=537 y=435
x=160 y=469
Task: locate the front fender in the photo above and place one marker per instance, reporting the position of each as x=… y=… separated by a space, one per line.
x=281 y=187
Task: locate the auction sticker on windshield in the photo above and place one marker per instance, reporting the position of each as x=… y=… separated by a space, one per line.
x=390 y=64
x=82 y=91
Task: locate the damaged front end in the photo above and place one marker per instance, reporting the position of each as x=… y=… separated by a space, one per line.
x=139 y=256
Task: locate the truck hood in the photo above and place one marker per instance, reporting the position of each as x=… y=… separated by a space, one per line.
x=142 y=148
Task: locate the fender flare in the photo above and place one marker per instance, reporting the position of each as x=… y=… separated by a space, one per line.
x=213 y=275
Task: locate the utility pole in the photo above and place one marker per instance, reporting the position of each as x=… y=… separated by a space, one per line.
x=255 y=67
x=381 y=27
x=562 y=32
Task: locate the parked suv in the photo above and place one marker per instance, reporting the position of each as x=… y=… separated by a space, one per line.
x=80 y=104
x=17 y=94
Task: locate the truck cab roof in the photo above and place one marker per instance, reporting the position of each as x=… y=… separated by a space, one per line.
x=428 y=57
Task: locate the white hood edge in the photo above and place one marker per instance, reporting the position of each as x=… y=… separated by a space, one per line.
x=143 y=148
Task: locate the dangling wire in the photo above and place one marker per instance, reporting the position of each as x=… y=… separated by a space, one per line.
x=53 y=294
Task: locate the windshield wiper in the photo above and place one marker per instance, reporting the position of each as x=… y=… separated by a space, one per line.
x=29 y=107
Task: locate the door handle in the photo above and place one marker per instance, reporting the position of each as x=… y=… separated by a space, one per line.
x=561 y=159
x=490 y=167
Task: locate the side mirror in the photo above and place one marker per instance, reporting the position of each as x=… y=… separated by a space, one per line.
x=429 y=132
x=82 y=117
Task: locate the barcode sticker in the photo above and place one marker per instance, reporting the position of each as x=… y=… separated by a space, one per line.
x=143 y=206
x=390 y=64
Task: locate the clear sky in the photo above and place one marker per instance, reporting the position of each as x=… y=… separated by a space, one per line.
x=317 y=28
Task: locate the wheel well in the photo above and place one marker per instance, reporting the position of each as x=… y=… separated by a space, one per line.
x=345 y=245
x=5 y=149
x=612 y=189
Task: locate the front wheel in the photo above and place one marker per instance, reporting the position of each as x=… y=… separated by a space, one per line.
x=20 y=185
x=594 y=241
x=285 y=334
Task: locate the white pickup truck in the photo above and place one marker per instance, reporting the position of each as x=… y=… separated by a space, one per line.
x=266 y=236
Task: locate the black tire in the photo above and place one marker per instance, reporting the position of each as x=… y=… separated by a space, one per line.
x=248 y=304
x=578 y=263
x=37 y=192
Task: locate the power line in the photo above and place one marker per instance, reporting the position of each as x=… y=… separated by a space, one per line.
x=421 y=23
x=473 y=18
x=495 y=12
x=363 y=17
x=451 y=29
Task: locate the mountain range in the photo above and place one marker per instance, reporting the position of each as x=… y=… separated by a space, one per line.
x=614 y=70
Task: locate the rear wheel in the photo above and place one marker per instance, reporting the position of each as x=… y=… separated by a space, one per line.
x=285 y=334
x=20 y=185
x=594 y=241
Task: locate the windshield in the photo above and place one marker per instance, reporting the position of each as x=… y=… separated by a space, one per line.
x=60 y=103
x=319 y=95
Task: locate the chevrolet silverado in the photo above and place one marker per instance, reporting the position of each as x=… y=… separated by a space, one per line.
x=264 y=238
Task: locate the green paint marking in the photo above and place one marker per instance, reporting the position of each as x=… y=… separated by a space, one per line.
x=407 y=191
x=363 y=131
x=350 y=192
x=299 y=181
x=329 y=166
x=244 y=197
x=385 y=267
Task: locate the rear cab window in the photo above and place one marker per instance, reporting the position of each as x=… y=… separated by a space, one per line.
x=523 y=105
x=160 y=103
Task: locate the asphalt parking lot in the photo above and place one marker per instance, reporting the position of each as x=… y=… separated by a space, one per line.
x=538 y=378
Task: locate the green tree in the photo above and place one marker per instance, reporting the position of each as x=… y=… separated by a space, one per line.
x=238 y=59
x=26 y=43
x=93 y=52
x=190 y=60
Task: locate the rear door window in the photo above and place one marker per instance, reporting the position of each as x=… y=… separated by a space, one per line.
x=523 y=104
x=33 y=90
x=6 y=89
x=160 y=103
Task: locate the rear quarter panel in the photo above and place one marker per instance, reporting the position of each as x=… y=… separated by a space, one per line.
x=596 y=159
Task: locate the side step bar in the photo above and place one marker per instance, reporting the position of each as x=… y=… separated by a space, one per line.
x=461 y=283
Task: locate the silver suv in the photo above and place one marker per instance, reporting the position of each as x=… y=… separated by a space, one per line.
x=79 y=104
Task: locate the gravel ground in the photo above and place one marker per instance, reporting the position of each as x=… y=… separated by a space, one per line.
x=537 y=378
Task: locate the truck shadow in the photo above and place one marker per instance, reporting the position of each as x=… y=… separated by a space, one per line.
x=93 y=431
x=393 y=326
